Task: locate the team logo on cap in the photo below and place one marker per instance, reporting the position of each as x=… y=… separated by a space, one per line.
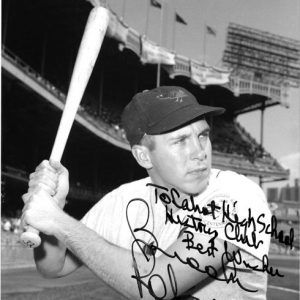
x=175 y=95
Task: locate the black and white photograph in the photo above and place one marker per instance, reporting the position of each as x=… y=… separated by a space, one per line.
x=150 y=149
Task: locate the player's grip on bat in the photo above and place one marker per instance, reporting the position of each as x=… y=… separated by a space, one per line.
x=51 y=179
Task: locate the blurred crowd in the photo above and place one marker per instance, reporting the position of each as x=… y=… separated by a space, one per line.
x=11 y=225
x=104 y=120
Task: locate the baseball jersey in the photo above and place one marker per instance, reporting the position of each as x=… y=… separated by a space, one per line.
x=240 y=208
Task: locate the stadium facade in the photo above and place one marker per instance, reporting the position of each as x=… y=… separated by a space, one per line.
x=39 y=47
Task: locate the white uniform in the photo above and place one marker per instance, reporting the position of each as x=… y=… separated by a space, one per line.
x=244 y=199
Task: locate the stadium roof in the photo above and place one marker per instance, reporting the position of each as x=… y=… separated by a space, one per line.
x=40 y=21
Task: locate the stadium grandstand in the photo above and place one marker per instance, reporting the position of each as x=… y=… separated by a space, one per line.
x=39 y=46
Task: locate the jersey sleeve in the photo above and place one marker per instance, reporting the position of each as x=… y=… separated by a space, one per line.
x=113 y=215
x=99 y=217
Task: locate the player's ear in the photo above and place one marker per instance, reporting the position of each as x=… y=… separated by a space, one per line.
x=142 y=156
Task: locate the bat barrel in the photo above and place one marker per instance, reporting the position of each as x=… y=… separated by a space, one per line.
x=87 y=55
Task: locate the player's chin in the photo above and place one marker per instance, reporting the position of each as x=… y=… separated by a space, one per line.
x=195 y=187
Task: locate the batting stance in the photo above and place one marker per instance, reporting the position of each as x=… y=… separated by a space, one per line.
x=187 y=230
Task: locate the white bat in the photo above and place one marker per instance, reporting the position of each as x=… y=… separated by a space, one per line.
x=87 y=54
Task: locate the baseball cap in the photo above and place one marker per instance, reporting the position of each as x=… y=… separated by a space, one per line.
x=162 y=110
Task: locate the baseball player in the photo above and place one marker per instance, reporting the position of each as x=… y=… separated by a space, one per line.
x=186 y=231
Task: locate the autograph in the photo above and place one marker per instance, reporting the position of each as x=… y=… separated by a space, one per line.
x=198 y=225
x=235 y=225
x=186 y=204
x=147 y=278
x=235 y=229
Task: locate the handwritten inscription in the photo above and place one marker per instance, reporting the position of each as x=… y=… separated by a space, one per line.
x=172 y=196
x=239 y=230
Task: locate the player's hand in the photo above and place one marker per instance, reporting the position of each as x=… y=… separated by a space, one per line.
x=41 y=212
x=52 y=178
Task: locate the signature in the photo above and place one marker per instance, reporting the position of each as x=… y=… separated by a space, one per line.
x=196 y=224
x=171 y=196
x=146 y=279
x=235 y=228
x=145 y=274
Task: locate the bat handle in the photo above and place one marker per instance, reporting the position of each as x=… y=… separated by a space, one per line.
x=30 y=238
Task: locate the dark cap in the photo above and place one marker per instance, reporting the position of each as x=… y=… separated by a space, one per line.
x=161 y=110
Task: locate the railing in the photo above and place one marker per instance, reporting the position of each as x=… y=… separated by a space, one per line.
x=28 y=70
x=240 y=85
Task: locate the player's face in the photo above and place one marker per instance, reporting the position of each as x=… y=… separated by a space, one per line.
x=182 y=158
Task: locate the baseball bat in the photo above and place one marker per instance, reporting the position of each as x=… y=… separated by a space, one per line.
x=87 y=54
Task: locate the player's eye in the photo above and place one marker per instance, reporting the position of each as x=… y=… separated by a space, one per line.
x=204 y=135
x=180 y=140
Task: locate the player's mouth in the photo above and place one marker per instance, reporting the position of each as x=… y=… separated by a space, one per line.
x=199 y=172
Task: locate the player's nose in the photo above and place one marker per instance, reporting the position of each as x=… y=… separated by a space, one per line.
x=197 y=148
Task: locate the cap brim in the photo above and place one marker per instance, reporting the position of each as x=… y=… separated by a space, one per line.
x=182 y=117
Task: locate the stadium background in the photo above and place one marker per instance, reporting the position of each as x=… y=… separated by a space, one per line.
x=39 y=45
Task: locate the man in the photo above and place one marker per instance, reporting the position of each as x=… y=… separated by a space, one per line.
x=186 y=230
